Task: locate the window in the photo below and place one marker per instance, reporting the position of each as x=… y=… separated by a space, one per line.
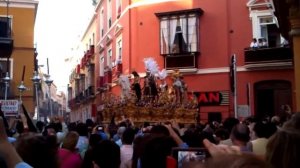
x=109 y=14
x=109 y=57
x=269 y=30
x=91 y=75
x=179 y=33
x=179 y=37
x=264 y=22
x=5 y=26
x=101 y=69
x=102 y=23
x=118 y=8
x=119 y=51
x=5 y=66
x=93 y=41
x=82 y=82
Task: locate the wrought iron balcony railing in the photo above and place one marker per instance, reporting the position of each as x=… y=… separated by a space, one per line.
x=276 y=57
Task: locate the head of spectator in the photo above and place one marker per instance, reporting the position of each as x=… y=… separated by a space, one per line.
x=50 y=130
x=128 y=136
x=250 y=120
x=106 y=154
x=90 y=124
x=264 y=42
x=229 y=123
x=260 y=42
x=260 y=130
x=155 y=151
x=294 y=122
x=94 y=139
x=240 y=135
x=100 y=130
x=276 y=120
x=283 y=148
x=159 y=130
x=70 y=141
x=72 y=126
x=19 y=127
x=82 y=129
x=221 y=134
x=254 y=44
x=40 y=126
x=38 y=151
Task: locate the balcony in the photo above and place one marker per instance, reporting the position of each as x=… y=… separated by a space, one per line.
x=268 y=58
x=107 y=76
x=6 y=41
x=100 y=84
x=89 y=92
x=181 y=61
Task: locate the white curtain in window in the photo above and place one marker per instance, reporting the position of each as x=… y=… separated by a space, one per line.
x=173 y=23
x=183 y=28
x=164 y=48
x=101 y=73
x=192 y=43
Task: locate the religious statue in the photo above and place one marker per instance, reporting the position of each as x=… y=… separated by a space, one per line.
x=178 y=86
x=150 y=89
x=136 y=86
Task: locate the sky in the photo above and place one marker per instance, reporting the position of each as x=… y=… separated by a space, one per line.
x=58 y=27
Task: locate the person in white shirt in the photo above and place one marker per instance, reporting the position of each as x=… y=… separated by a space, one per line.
x=254 y=43
x=126 y=149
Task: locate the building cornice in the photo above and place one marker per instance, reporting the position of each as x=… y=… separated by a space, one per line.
x=30 y=4
x=20 y=3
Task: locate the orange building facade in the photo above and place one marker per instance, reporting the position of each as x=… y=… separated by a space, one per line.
x=17 y=50
x=198 y=38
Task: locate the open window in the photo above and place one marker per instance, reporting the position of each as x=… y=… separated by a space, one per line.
x=264 y=22
x=179 y=38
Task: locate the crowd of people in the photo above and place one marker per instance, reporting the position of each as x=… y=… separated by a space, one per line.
x=123 y=144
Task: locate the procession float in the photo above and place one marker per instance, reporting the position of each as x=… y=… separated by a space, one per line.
x=158 y=96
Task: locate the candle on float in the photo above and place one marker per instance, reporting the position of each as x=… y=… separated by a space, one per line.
x=23 y=74
x=47 y=66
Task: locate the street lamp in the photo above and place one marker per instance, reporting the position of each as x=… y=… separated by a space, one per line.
x=36 y=80
x=49 y=83
x=6 y=80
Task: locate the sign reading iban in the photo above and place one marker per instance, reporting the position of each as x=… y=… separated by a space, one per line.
x=10 y=107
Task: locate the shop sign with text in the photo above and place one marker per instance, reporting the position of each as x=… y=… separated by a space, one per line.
x=208 y=98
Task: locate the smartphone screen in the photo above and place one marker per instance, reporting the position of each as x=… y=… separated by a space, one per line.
x=186 y=157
